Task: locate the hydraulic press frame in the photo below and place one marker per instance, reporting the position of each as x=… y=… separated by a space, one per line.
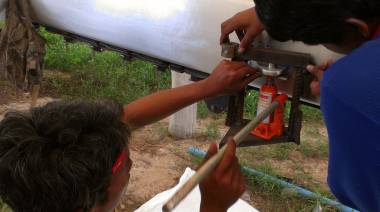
x=295 y=64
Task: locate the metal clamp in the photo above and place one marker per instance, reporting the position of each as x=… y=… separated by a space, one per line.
x=270 y=71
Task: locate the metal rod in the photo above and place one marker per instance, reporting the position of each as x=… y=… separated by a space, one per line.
x=209 y=166
x=301 y=191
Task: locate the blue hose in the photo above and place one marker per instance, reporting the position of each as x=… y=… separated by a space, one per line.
x=301 y=191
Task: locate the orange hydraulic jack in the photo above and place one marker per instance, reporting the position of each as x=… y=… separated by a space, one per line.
x=273 y=125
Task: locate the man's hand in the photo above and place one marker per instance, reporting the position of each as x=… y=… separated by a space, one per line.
x=224 y=186
x=230 y=77
x=247 y=26
x=318 y=71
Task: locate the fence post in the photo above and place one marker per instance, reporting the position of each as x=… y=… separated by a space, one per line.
x=183 y=123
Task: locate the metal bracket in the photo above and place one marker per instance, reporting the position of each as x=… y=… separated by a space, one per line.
x=298 y=62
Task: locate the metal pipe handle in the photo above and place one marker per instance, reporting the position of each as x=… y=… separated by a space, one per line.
x=209 y=166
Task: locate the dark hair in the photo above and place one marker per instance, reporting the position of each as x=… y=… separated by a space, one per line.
x=59 y=157
x=313 y=21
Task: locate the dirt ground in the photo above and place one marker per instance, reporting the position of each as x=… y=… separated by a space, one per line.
x=159 y=160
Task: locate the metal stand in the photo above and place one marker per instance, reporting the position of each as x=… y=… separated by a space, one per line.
x=254 y=56
x=292 y=133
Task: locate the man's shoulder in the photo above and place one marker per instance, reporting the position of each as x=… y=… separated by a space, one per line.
x=361 y=66
x=366 y=51
x=354 y=80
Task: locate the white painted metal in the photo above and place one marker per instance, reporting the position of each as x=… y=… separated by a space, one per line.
x=184 y=32
x=179 y=31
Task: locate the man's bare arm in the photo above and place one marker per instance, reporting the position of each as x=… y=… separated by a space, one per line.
x=228 y=77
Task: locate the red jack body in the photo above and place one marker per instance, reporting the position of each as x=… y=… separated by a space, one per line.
x=274 y=124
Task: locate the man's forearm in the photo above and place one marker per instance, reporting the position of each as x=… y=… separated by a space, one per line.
x=227 y=77
x=159 y=105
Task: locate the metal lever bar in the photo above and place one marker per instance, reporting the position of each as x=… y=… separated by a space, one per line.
x=207 y=168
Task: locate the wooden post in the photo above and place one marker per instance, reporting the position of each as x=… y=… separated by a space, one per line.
x=183 y=123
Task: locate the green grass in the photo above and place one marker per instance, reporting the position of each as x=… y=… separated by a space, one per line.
x=282 y=151
x=105 y=75
x=314 y=150
x=250 y=106
x=314 y=143
x=279 y=198
x=288 y=160
x=272 y=197
x=310 y=113
x=202 y=110
x=212 y=131
x=64 y=56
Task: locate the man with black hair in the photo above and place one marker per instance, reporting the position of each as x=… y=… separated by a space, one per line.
x=350 y=89
x=74 y=157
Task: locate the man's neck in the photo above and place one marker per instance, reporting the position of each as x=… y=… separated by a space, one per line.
x=374 y=28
